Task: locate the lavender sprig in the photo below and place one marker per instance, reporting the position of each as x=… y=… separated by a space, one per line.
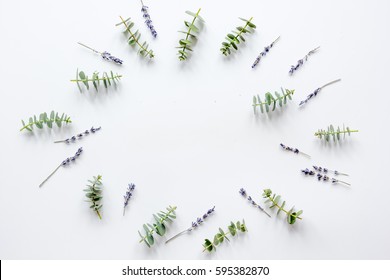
x=105 y=55
x=79 y=136
x=311 y=95
x=294 y=150
x=326 y=170
x=64 y=163
x=129 y=193
x=249 y=198
x=301 y=61
x=324 y=177
x=194 y=225
x=264 y=53
x=148 y=21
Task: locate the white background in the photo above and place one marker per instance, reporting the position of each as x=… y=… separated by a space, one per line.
x=185 y=133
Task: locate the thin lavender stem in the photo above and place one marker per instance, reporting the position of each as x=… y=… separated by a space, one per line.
x=63 y=163
x=105 y=55
x=51 y=174
x=332 y=82
x=180 y=233
x=85 y=46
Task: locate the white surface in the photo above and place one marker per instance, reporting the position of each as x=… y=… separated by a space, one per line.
x=186 y=135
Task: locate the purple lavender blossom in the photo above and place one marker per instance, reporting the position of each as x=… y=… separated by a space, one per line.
x=323 y=177
x=314 y=93
x=326 y=170
x=264 y=53
x=201 y=220
x=243 y=192
x=301 y=61
x=107 y=56
x=294 y=150
x=79 y=136
x=128 y=195
x=194 y=224
x=148 y=21
x=68 y=160
x=308 y=172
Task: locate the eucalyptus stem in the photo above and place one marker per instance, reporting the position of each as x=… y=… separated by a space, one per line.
x=99 y=79
x=134 y=37
x=282 y=209
x=189 y=29
x=245 y=26
x=324 y=133
x=215 y=244
x=161 y=220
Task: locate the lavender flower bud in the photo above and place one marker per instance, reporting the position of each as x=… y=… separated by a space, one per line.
x=79 y=136
x=148 y=21
x=107 y=56
x=263 y=53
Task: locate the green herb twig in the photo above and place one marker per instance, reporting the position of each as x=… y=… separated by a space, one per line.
x=275 y=200
x=143 y=49
x=270 y=100
x=334 y=133
x=233 y=40
x=93 y=193
x=158 y=227
x=45 y=119
x=233 y=229
x=107 y=79
x=185 y=44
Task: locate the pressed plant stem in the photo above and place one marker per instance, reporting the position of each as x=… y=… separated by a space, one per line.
x=161 y=221
x=280 y=208
x=276 y=99
x=330 y=83
x=99 y=79
x=212 y=243
x=98 y=213
x=51 y=174
x=132 y=35
x=240 y=32
x=334 y=132
x=42 y=122
x=177 y=235
x=85 y=46
x=189 y=30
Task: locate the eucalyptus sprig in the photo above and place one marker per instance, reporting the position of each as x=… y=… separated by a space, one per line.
x=270 y=100
x=331 y=132
x=44 y=118
x=94 y=194
x=185 y=44
x=107 y=79
x=158 y=227
x=134 y=38
x=233 y=229
x=236 y=36
x=275 y=200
